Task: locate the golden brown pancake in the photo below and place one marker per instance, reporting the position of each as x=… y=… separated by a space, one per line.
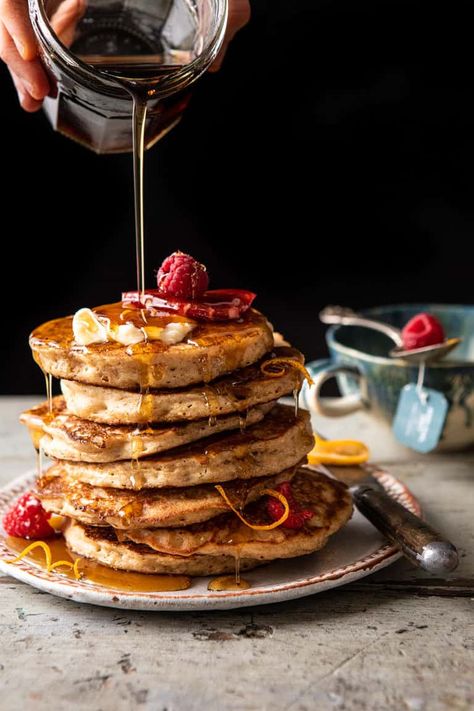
x=65 y=436
x=101 y=545
x=227 y=535
x=278 y=442
x=237 y=392
x=98 y=506
x=211 y=350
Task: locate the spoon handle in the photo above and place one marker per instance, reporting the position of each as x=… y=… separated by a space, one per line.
x=346 y=317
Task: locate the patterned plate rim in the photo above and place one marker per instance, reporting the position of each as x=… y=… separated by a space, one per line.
x=94 y=594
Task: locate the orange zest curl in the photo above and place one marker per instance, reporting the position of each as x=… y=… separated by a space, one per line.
x=276 y=367
x=60 y=564
x=50 y=566
x=75 y=569
x=262 y=527
x=36 y=544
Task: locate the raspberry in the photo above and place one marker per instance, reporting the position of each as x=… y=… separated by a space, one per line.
x=422 y=330
x=297 y=517
x=28 y=519
x=182 y=276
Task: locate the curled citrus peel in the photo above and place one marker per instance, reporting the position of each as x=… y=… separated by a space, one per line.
x=75 y=569
x=61 y=564
x=50 y=566
x=335 y=451
x=254 y=526
x=276 y=367
x=31 y=547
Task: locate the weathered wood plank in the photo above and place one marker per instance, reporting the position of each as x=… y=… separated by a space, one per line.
x=340 y=650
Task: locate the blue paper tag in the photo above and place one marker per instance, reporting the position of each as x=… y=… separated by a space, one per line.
x=420 y=417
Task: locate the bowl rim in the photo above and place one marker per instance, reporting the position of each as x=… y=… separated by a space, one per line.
x=373 y=310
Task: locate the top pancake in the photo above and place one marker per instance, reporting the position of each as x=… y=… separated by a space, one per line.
x=212 y=349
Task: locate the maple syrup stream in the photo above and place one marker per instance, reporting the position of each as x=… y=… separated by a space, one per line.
x=139 y=123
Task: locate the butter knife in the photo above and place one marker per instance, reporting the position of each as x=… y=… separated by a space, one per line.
x=417 y=540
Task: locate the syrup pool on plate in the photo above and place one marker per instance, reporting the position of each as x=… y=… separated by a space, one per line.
x=229 y=583
x=97 y=574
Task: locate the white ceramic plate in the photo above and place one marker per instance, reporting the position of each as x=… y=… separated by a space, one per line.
x=356 y=551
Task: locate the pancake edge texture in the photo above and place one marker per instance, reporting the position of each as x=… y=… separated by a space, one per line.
x=278 y=442
x=237 y=392
x=226 y=535
x=76 y=439
x=98 y=506
x=99 y=546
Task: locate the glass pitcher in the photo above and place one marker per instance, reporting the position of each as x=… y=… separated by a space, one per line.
x=92 y=48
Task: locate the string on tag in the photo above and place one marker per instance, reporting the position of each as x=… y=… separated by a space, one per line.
x=421 y=392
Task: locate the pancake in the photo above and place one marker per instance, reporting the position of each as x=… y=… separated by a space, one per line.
x=97 y=506
x=211 y=350
x=101 y=545
x=237 y=392
x=65 y=436
x=279 y=442
x=227 y=535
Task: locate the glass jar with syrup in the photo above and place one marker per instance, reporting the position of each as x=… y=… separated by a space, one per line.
x=101 y=55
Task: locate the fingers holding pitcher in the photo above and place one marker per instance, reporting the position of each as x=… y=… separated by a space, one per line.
x=18 y=51
x=26 y=100
x=15 y=19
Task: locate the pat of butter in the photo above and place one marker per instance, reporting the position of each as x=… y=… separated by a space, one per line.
x=176 y=332
x=88 y=329
x=127 y=334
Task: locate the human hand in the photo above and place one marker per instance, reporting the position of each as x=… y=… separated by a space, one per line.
x=19 y=50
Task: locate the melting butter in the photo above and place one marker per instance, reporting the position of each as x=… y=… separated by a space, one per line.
x=89 y=328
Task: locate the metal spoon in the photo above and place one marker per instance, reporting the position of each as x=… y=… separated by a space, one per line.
x=347 y=317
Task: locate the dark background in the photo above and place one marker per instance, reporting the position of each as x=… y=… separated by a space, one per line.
x=331 y=160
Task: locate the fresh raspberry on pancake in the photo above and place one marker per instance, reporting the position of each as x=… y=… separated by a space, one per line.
x=182 y=276
x=28 y=519
x=297 y=516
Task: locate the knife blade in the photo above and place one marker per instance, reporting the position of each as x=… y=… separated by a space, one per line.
x=418 y=541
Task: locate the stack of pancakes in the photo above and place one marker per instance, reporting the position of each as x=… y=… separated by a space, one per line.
x=143 y=434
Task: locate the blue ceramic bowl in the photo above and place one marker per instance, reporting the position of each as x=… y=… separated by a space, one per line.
x=369 y=379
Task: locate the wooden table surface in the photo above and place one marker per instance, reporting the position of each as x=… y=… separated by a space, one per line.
x=399 y=639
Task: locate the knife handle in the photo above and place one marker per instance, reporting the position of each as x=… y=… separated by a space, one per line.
x=417 y=540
